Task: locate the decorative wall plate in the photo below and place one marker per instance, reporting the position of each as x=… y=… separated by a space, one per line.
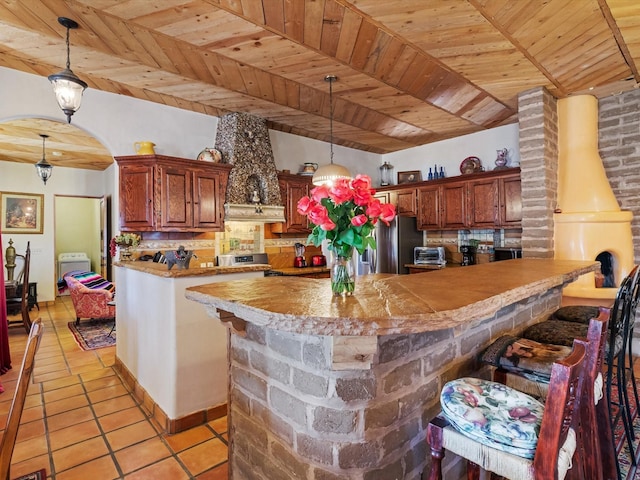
x=471 y=165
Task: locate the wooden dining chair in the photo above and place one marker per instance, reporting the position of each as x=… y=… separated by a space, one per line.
x=495 y=426
x=8 y=441
x=23 y=300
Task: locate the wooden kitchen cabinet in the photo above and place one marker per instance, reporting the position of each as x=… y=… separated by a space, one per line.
x=292 y=189
x=484 y=200
x=511 y=201
x=406 y=202
x=136 y=196
x=455 y=205
x=429 y=207
x=169 y=194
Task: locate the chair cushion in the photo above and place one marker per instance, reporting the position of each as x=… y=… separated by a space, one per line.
x=576 y=313
x=559 y=332
x=522 y=356
x=493 y=414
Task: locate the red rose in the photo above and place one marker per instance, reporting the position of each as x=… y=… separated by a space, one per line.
x=320 y=192
x=304 y=205
x=374 y=209
x=361 y=182
x=388 y=212
x=341 y=192
x=359 y=220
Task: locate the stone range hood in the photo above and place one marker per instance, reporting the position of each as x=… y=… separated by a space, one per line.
x=588 y=219
x=253 y=192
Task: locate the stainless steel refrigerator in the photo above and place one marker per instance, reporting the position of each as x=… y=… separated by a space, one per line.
x=395 y=244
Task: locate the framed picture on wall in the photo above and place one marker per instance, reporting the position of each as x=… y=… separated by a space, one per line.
x=410 y=176
x=21 y=212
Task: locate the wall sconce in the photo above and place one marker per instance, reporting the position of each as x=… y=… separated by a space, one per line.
x=67 y=87
x=327 y=174
x=44 y=168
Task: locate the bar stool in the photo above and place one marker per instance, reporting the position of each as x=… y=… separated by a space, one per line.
x=568 y=322
x=526 y=365
x=495 y=427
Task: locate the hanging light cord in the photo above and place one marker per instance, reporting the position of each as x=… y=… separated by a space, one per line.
x=331 y=79
x=68 y=51
x=44 y=137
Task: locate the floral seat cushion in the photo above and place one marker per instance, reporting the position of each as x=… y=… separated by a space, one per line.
x=493 y=414
x=525 y=357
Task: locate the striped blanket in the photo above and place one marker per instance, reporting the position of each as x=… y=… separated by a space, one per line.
x=91 y=280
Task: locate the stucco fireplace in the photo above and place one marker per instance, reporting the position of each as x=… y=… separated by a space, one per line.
x=588 y=221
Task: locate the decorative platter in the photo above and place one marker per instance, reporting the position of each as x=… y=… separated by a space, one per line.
x=471 y=165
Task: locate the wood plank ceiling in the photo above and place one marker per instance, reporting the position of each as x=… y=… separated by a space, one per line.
x=410 y=72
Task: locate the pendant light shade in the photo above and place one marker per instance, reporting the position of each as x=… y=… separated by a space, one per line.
x=328 y=174
x=44 y=168
x=67 y=87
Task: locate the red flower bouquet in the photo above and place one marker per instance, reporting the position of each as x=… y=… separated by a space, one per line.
x=345 y=214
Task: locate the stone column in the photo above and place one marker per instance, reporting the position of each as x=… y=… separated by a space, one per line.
x=538 y=120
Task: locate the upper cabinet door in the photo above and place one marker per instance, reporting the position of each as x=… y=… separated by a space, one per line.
x=484 y=203
x=292 y=189
x=455 y=206
x=208 y=209
x=136 y=197
x=176 y=210
x=429 y=207
x=407 y=203
x=511 y=201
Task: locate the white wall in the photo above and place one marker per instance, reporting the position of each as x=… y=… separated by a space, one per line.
x=450 y=153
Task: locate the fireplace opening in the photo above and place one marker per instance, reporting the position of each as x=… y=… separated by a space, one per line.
x=606 y=277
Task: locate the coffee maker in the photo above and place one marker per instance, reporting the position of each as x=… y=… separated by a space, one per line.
x=468 y=255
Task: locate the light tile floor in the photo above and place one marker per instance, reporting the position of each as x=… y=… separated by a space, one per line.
x=80 y=421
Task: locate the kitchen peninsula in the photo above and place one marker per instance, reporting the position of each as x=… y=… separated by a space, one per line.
x=168 y=351
x=329 y=387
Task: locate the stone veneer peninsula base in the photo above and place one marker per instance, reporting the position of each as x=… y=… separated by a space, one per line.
x=326 y=388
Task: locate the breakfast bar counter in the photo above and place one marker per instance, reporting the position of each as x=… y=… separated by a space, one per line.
x=330 y=387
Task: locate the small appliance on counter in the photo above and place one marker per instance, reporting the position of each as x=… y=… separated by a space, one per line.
x=299 y=261
x=468 y=255
x=232 y=260
x=319 y=261
x=429 y=256
x=505 y=253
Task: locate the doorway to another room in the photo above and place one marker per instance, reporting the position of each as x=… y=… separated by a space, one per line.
x=81 y=236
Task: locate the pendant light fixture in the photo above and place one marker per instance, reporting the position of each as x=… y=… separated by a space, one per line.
x=43 y=167
x=67 y=86
x=327 y=174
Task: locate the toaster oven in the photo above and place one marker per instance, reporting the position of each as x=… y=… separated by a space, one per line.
x=429 y=256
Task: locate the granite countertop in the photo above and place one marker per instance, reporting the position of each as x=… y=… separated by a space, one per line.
x=389 y=304
x=293 y=271
x=161 y=270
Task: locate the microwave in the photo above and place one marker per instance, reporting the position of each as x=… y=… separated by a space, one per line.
x=429 y=256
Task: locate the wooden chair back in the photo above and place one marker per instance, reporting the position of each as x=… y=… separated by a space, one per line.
x=561 y=412
x=24 y=301
x=17 y=404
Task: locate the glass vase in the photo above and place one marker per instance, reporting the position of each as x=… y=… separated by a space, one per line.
x=343 y=274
